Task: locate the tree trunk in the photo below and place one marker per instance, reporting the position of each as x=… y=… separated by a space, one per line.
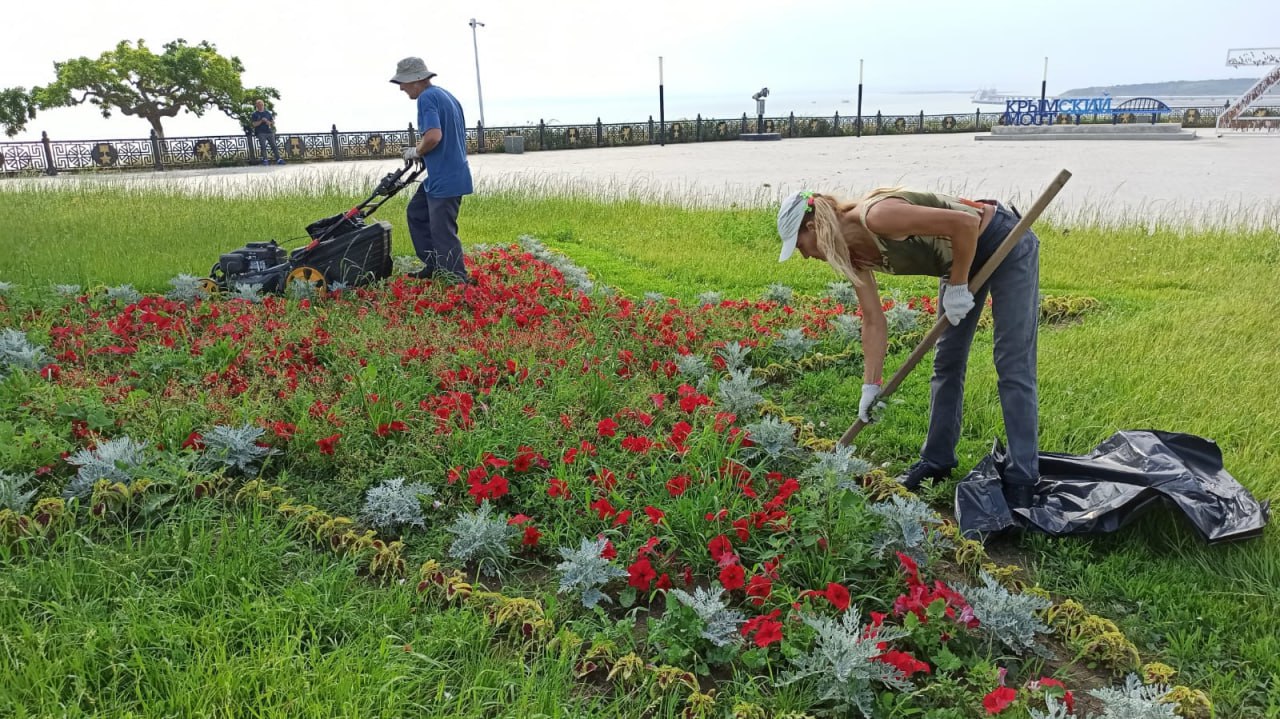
x=155 y=125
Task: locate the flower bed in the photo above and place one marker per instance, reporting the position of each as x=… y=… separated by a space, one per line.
x=578 y=463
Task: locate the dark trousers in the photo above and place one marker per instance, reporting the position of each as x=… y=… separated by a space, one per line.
x=433 y=226
x=1015 y=308
x=268 y=139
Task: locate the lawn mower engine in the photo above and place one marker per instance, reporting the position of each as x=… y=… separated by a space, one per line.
x=257 y=263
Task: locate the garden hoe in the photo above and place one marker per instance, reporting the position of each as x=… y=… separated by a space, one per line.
x=975 y=284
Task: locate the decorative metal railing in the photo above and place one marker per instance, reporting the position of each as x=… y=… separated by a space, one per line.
x=156 y=153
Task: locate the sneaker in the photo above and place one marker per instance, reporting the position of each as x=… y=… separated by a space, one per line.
x=921 y=471
x=280 y=161
x=1019 y=495
x=264 y=161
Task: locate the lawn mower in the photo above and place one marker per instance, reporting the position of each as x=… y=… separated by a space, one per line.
x=342 y=249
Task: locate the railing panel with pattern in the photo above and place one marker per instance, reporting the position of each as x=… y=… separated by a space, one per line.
x=231 y=150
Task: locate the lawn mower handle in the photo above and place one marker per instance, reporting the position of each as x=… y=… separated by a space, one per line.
x=975 y=283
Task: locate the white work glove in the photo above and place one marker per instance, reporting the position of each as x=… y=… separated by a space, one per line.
x=957 y=300
x=870 y=393
x=410 y=153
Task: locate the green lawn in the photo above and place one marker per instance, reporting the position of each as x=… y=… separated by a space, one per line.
x=1185 y=342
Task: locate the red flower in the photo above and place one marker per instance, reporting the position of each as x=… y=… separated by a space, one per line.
x=759 y=587
x=909 y=566
x=518 y=520
x=768 y=633
x=676 y=486
x=655 y=514
x=732 y=577
x=607 y=427
x=664 y=582
x=194 y=441
x=834 y=593
x=603 y=507
x=387 y=428
x=767 y=628
x=641 y=574
x=283 y=430
x=51 y=371
x=903 y=662
x=557 y=488
x=720 y=546
x=1066 y=695
x=609 y=551
x=999 y=699
x=328 y=443
x=531 y=536
x=622 y=518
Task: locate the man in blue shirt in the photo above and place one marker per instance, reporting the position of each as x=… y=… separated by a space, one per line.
x=433 y=211
x=264 y=127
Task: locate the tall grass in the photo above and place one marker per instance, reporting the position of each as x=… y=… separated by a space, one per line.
x=1185 y=342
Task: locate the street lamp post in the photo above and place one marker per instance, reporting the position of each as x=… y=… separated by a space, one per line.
x=474 y=23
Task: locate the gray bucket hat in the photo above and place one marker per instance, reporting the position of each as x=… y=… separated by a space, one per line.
x=411 y=69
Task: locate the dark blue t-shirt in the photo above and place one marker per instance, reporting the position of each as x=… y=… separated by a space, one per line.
x=265 y=127
x=448 y=174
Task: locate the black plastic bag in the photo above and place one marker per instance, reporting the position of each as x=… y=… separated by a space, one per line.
x=1104 y=490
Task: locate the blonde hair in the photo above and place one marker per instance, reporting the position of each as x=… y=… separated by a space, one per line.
x=846 y=256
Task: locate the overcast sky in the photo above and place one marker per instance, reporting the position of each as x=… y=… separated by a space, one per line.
x=331 y=61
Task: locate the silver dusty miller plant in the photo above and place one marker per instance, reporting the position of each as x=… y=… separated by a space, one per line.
x=847 y=327
x=843 y=662
x=843 y=293
x=771 y=437
x=17 y=353
x=901 y=318
x=574 y=276
x=187 y=288
x=242 y=291
x=6 y=288
x=794 y=343
x=115 y=460
x=12 y=497
x=483 y=539
x=840 y=466
x=1134 y=700
x=711 y=298
x=908 y=527
x=737 y=392
x=1010 y=618
x=123 y=294
x=67 y=290
x=692 y=366
x=654 y=298
x=779 y=293
x=734 y=355
x=586 y=572
x=719 y=622
x=394 y=504
x=235 y=447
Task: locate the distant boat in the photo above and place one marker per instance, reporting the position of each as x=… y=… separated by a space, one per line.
x=989 y=96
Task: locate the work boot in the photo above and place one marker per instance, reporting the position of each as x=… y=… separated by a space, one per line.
x=280 y=161
x=1019 y=495
x=920 y=471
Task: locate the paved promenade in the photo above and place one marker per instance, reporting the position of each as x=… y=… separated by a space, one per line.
x=1230 y=180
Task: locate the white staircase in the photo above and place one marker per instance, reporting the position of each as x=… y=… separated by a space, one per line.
x=1230 y=118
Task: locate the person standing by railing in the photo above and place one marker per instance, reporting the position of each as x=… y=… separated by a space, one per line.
x=442 y=146
x=264 y=128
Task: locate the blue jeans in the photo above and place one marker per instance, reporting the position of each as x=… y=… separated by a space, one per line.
x=433 y=227
x=263 y=139
x=1015 y=309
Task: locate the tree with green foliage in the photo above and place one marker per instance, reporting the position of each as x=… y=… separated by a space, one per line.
x=133 y=80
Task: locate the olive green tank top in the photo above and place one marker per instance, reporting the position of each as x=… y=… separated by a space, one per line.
x=918 y=254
